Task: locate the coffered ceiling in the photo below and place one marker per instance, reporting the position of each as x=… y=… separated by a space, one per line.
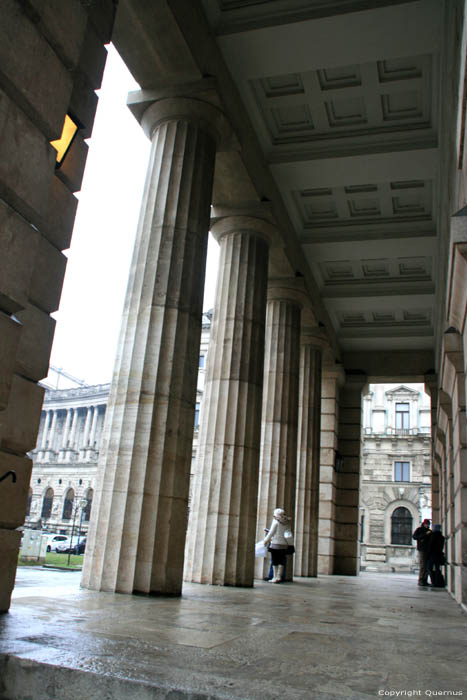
x=338 y=109
x=344 y=100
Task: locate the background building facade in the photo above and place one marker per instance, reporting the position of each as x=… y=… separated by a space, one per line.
x=67 y=451
x=396 y=474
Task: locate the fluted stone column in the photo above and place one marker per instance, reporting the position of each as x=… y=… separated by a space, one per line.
x=92 y=436
x=223 y=513
x=53 y=429
x=278 y=465
x=309 y=430
x=47 y=421
x=142 y=496
x=333 y=377
x=66 y=432
x=74 y=427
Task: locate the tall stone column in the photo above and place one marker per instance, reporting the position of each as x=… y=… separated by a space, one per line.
x=332 y=379
x=92 y=435
x=223 y=514
x=66 y=429
x=137 y=538
x=52 y=430
x=47 y=420
x=87 y=427
x=309 y=424
x=74 y=427
x=278 y=465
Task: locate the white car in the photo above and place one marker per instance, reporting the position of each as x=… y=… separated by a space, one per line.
x=53 y=541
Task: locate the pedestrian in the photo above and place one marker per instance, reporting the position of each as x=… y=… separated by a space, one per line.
x=277 y=543
x=270 y=575
x=436 y=557
x=422 y=535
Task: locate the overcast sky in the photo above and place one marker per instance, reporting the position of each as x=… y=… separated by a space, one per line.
x=88 y=320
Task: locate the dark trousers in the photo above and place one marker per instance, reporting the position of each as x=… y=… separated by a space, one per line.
x=423 y=570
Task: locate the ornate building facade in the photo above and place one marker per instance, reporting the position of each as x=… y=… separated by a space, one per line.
x=396 y=475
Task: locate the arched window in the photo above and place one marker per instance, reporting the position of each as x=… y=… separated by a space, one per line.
x=68 y=505
x=47 y=504
x=87 y=510
x=28 y=505
x=401 y=526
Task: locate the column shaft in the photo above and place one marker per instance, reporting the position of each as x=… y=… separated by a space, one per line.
x=74 y=426
x=280 y=416
x=223 y=520
x=66 y=430
x=143 y=494
x=87 y=426
x=47 y=418
x=307 y=500
x=92 y=435
x=52 y=430
x=332 y=378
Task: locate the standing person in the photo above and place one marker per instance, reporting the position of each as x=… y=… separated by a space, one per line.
x=278 y=545
x=422 y=536
x=435 y=557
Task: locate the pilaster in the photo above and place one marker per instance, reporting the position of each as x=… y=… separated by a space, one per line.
x=347 y=554
x=333 y=377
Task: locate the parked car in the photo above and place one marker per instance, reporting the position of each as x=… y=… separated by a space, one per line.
x=80 y=547
x=54 y=541
x=75 y=546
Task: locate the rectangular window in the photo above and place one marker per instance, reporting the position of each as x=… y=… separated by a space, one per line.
x=201 y=361
x=402 y=471
x=402 y=416
x=197 y=416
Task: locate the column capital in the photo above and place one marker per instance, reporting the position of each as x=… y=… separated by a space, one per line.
x=197 y=103
x=314 y=336
x=334 y=371
x=249 y=218
x=290 y=289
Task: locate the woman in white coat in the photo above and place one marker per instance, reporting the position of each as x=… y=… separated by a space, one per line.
x=277 y=544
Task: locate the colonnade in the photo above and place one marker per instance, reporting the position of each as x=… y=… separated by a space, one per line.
x=259 y=442
x=68 y=430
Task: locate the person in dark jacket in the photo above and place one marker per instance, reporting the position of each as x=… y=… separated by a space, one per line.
x=422 y=536
x=435 y=556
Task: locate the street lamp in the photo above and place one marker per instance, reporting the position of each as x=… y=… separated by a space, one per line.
x=82 y=505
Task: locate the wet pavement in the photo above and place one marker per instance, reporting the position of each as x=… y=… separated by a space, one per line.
x=327 y=638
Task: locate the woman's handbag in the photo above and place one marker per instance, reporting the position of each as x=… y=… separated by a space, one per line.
x=289 y=537
x=260 y=549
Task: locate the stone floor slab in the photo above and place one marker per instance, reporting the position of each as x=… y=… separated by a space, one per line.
x=330 y=638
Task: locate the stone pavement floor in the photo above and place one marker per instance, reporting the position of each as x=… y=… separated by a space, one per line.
x=332 y=637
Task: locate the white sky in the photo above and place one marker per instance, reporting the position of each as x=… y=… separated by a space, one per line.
x=88 y=320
